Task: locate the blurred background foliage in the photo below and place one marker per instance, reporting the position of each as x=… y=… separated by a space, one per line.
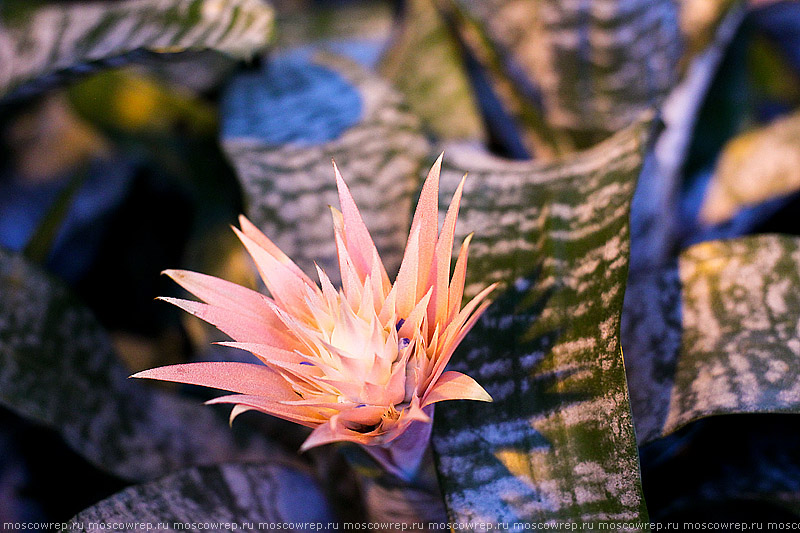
x=132 y=133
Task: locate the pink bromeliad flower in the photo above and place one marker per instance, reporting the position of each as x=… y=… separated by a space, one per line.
x=363 y=364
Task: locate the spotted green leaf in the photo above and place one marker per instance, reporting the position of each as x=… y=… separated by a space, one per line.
x=57 y=368
x=337 y=21
x=590 y=68
x=715 y=334
x=557 y=443
x=281 y=127
x=41 y=40
x=424 y=61
x=219 y=498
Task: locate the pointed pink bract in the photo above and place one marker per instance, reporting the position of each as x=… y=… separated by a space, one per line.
x=363 y=364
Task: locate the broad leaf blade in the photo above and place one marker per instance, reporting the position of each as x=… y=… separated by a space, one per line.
x=424 y=61
x=557 y=443
x=57 y=367
x=340 y=21
x=715 y=334
x=589 y=67
x=216 y=498
x=283 y=125
x=754 y=167
x=51 y=37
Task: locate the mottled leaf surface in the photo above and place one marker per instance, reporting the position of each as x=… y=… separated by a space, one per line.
x=756 y=166
x=42 y=40
x=216 y=498
x=715 y=334
x=57 y=367
x=338 y=21
x=283 y=125
x=590 y=67
x=425 y=62
x=557 y=443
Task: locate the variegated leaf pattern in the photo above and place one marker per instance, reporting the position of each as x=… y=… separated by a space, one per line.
x=557 y=443
x=514 y=119
x=216 y=498
x=338 y=21
x=45 y=40
x=57 y=367
x=424 y=62
x=717 y=333
x=284 y=124
x=756 y=166
x=590 y=67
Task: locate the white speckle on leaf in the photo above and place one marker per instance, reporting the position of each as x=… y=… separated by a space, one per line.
x=776 y=296
x=794 y=345
x=749 y=387
x=776 y=371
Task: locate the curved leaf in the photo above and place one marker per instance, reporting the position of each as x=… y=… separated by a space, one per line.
x=57 y=367
x=557 y=443
x=591 y=68
x=218 y=498
x=715 y=334
x=41 y=40
x=754 y=167
x=339 y=21
x=284 y=124
x=424 y=61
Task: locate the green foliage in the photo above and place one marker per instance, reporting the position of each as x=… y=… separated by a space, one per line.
x=572 y=74
x=557 y=443
x=716 y=334
x=425 y=62
x=240 y=494
x=54 y=37
x=288 y=185
x=57 y=367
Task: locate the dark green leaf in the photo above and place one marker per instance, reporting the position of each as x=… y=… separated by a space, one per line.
x=57 y=367
x=57 y=36
x=715 y=334
x=301 y=24
x=283 y=125
x=557 y=443
x=589 y=67
x=216 y=498
x=424 y=61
